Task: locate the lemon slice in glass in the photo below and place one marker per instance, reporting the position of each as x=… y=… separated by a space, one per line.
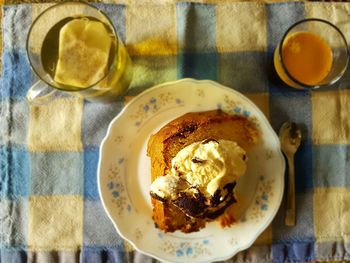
x=84 y=47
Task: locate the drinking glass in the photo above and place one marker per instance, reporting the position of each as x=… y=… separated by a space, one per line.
x=331 y=35
x=112 y=83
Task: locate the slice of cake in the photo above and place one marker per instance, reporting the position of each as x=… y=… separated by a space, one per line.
x=195 y=162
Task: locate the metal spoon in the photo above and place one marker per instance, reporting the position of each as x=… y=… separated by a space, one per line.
x=290 y=138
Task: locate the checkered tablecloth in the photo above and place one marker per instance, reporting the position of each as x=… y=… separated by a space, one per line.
x=50 y=210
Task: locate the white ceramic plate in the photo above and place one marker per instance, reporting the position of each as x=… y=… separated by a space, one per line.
x=124 y=174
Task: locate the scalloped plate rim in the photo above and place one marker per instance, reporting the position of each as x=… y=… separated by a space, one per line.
x=193 y=81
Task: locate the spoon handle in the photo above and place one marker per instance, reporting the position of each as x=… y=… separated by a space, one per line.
x=290 y=212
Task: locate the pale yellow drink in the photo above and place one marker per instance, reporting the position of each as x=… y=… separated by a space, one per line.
x=82 y=54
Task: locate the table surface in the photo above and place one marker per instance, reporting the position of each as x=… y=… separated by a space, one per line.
x=50 y=213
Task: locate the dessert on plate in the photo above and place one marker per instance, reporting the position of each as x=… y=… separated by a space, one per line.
x=196 y=160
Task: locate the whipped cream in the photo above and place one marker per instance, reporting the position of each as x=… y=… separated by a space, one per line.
x=165 y=186
x=208 y=165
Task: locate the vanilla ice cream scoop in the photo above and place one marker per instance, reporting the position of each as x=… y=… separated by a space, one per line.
x=210 y=164
x=202 y=177
x=165 y=186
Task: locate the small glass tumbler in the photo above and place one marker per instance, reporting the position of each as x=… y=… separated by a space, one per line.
x=312 y=53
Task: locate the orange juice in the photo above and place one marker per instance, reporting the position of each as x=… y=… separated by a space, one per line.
x=307 y=58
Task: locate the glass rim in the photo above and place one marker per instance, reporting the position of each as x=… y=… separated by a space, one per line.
x=303 y=85
x=61 y=4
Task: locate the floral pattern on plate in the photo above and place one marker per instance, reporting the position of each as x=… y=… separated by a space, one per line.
x=153 y=105
x=117 y=189
x=262 y=198
x=124 y=173
x=187 y=249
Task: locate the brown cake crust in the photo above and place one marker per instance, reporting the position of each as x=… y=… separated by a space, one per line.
x=179 y=133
